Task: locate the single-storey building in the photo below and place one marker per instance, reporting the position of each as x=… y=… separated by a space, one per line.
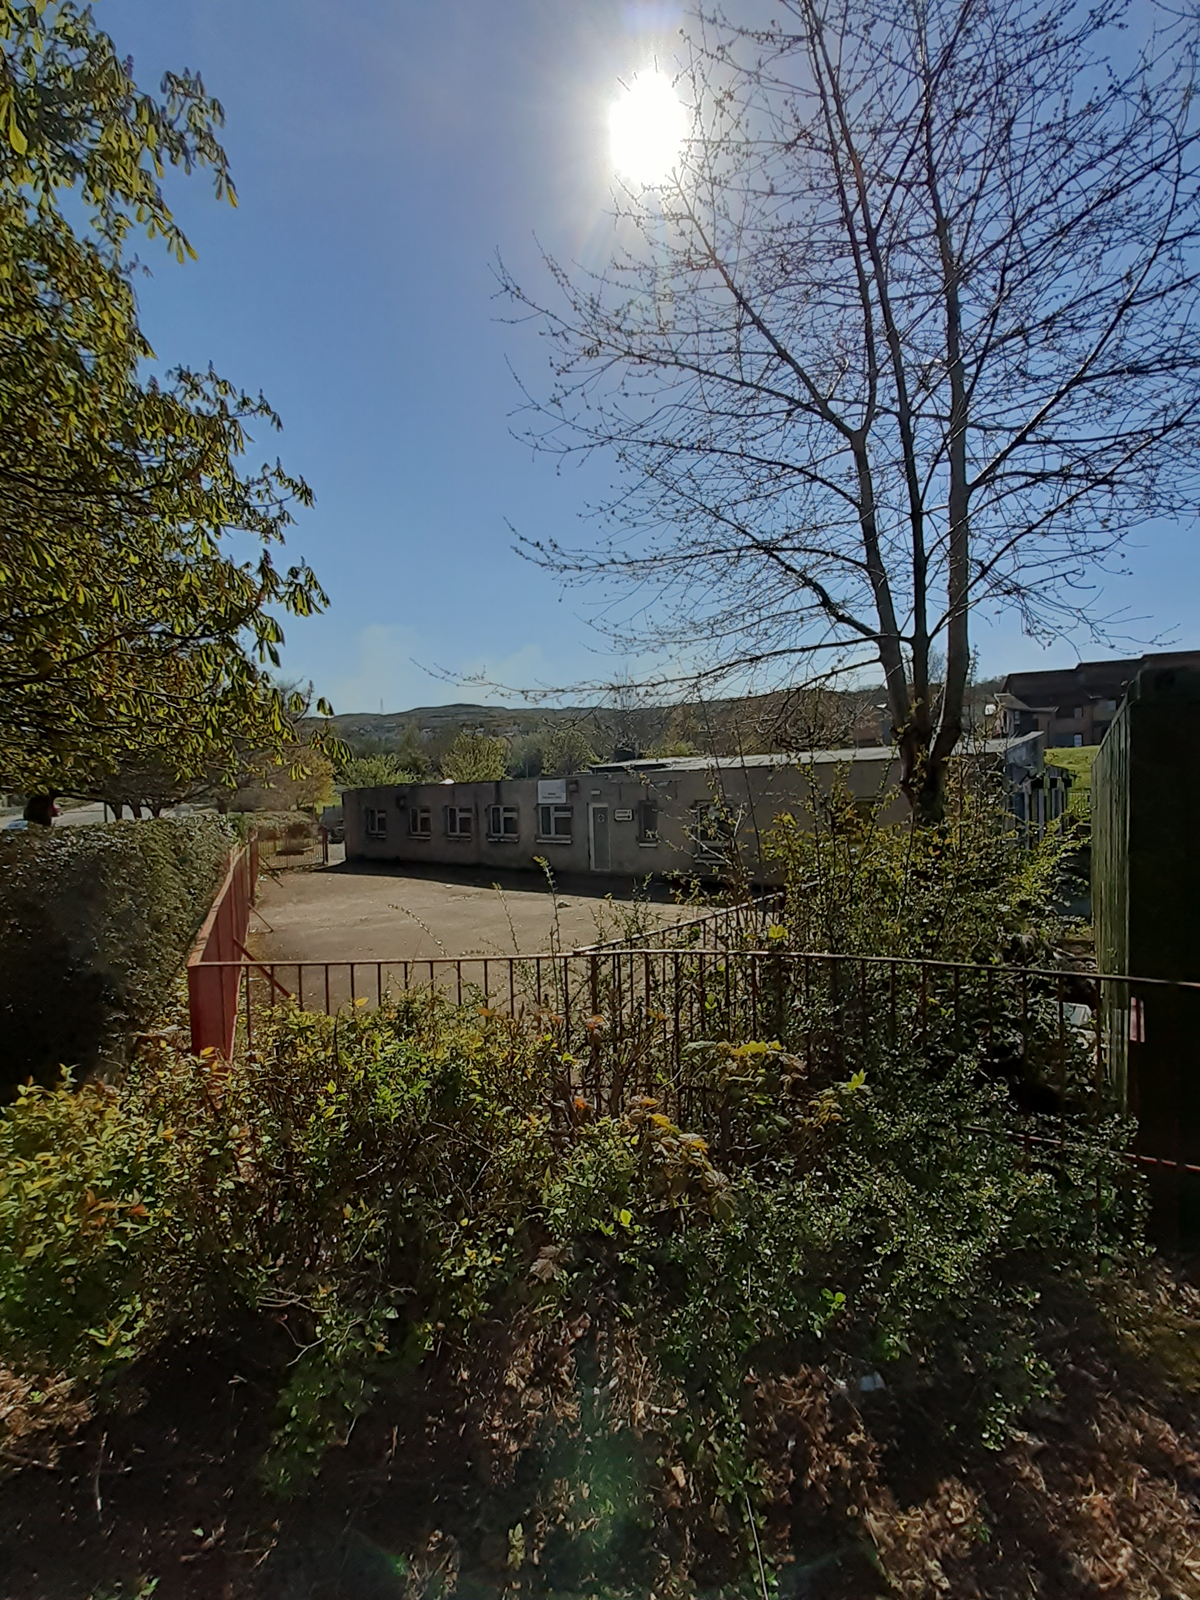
x=697 y=816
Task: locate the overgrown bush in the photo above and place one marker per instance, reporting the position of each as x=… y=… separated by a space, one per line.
x=970 y=889
x=395 y=1186
x=94 y=925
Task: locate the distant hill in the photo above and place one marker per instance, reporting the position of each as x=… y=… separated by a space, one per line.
x=430 y=721
x=783 y=720
x=754 y=722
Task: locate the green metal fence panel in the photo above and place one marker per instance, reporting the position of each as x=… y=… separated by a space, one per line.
x=1146 y=909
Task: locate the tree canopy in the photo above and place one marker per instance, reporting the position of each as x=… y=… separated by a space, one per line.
x=475 y=758
x=124 y=620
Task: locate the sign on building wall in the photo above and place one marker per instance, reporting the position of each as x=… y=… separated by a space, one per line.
x=552 y=791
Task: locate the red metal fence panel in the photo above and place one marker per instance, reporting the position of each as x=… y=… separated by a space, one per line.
x=213 y=989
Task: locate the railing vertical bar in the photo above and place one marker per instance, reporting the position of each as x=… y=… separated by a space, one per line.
x=675 y=1045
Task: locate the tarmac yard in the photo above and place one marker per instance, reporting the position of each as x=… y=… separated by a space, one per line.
x=361 y=912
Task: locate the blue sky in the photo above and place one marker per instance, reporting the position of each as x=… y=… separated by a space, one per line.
x=384 y=151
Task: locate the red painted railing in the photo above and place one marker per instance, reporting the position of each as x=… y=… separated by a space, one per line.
x=213 y=989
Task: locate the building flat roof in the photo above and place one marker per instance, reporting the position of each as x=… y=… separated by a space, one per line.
x=802 y=758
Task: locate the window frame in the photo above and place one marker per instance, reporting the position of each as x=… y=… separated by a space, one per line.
x=375 y=822
x=712 y=835
x=645 y=835
x=502 y=814
x=415 y=830
x=459 y=813
x=552 y=812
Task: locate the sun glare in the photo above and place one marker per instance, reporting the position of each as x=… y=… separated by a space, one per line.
x=647 y=126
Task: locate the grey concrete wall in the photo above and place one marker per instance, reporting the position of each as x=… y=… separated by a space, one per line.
x=751 y=797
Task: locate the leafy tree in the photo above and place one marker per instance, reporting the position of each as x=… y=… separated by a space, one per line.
x=567 y=749
x=123 y=622
x=408 y=752
x=911 y=328
x=371 y=772
x=526 y=754
x=301 y=780
x=474 y=758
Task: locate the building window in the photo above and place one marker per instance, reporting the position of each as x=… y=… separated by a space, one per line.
x=647 y=821
x=460 y=822
x=1077 y=741
x=1078 y=713
x=710 y=830
x=502 y=822
x=554 y=824
x=420 y=822
x=376 y=823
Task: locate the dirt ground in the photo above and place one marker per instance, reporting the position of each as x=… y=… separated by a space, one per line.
x=356 y=911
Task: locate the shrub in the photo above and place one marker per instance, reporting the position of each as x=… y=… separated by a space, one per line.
x=94 y=925
x=968 y=890
x=412 y=1177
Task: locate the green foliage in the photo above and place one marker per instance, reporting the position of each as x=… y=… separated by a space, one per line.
x=475 y=758
x=402 y=1181
x=300 y=781
x=968 y=889
x=525 y=755
x=372 y=772
x=123 y=622
x=567 y=749
x=1078 y=762
x=674 y=747
x=94 y=925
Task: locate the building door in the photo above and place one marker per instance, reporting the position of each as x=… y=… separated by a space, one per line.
x=598 y=838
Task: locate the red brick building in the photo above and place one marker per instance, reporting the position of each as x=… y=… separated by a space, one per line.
x=1075 y=706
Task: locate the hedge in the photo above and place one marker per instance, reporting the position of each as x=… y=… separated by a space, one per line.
x=95 y=923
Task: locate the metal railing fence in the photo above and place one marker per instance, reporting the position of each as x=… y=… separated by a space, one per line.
x=665 y=1022
x=741 y=922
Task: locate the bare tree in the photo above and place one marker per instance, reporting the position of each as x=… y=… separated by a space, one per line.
x=911 y=329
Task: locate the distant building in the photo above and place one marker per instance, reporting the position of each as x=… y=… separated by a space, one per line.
x=699 y=816
x=1075 y=706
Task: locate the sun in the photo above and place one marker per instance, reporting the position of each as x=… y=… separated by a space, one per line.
x=646 y=126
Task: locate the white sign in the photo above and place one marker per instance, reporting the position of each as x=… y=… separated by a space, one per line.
x=552 y=791
x=623 y=816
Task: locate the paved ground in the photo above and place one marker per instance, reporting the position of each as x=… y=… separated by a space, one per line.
x=363 y=912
